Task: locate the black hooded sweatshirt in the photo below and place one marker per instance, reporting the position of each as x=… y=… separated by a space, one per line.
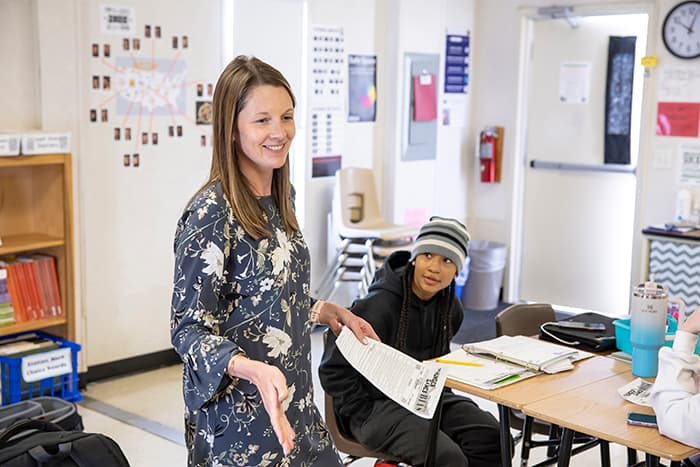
x=353 y=396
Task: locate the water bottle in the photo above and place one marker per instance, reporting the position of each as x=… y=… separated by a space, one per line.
x=648 y=326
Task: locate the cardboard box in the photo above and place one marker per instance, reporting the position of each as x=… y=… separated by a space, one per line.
x=45 y=143
x=9 y=144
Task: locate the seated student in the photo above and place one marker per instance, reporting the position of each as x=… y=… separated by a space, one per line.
x=412 y=306
x=675 y=396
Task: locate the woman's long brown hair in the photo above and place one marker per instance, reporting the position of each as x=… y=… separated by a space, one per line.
x=230 y=96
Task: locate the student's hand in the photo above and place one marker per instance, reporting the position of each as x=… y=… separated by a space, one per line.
x=692 y=323
x=273 y=390
x=335 y=317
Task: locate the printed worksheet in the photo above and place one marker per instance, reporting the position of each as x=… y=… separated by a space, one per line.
x=414 y=385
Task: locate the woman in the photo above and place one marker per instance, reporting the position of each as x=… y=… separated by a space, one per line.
x=411 y=305
x=241 y=311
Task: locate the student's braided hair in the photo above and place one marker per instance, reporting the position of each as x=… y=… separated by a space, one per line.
x=445 y=299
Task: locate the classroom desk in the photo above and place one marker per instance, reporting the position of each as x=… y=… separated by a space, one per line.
x=598 y=410
x=520 y=394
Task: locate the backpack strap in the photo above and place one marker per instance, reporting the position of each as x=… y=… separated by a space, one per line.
x=25 y=425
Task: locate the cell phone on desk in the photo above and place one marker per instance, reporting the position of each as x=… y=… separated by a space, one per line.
x=641 y=419
x=581 y=325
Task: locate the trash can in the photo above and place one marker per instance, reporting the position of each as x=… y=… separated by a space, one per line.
x=483 y=286
x=461 y=279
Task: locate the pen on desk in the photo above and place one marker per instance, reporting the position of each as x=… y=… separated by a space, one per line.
x=457 y=362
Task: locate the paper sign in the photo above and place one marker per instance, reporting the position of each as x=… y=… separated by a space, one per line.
x=46 y=365
x=677 y=119
x=574 y=82
x=690 y=164
x=424 y=98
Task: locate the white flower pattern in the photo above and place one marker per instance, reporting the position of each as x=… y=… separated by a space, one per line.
x=232 y=294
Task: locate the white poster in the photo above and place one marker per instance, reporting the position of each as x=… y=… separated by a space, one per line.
x=117 y=20
x=690 y=164
x=574 y=82
x=679 y=84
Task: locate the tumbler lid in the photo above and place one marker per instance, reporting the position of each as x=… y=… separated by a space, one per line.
x=650 y=290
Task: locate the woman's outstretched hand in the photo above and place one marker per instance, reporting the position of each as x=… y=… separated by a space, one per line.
x=335 y=317
x=273 y=391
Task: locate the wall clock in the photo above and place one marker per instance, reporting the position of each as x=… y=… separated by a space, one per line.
x=681 y=30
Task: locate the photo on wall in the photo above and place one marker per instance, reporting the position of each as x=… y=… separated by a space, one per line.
x=362 y=88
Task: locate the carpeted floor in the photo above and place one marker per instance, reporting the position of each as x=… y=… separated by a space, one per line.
x=478 y=325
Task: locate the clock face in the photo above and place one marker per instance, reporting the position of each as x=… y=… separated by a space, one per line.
x=681 y=30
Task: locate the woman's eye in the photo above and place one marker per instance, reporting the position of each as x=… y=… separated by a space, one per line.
x=448 y=260
x=288 y=117
x=261 y=120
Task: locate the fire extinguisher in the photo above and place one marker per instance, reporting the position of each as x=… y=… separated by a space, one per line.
x=487 y=154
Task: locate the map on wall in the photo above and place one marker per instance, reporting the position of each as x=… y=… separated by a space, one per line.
x=140 y=86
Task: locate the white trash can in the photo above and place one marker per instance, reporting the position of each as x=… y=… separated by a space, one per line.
x=483 y=287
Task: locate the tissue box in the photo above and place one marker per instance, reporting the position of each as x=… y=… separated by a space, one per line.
x=622 y=337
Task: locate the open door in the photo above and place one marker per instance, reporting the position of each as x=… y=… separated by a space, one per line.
x=577 y=212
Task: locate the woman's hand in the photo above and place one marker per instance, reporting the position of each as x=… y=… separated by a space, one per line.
x=335 y=317
x=273 y=390
x=692 y=323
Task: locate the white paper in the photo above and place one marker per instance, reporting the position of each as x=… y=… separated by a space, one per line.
x=414 y=385
x=690 y=164
x=490 y=374
x=574 y=82
x=636 y=392
x=679 y=83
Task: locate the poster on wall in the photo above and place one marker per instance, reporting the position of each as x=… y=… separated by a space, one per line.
x=327 y=99
x=690 y=164
x=456 y=63
x=574 y=82
x=678 y=83
x=140 y=87
x=362 y=88
x=677 y=119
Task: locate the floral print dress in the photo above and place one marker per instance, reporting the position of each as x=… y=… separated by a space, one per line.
x=233 y=294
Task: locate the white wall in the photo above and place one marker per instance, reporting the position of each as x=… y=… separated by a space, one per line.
x=496 y=61
x=126 y=218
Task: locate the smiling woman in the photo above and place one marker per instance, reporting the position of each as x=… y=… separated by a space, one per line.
x=241 y=311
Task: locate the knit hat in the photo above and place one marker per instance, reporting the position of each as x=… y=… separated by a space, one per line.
x=445 y=237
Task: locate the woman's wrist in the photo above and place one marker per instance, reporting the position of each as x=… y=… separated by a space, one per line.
x=315 y=315
x=235 y=366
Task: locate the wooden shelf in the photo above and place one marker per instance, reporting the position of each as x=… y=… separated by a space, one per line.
x=32 y=325
x=26 y=161
x=28 y=242
x=36 y=215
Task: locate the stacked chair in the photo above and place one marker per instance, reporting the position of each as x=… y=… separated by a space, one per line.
x=360 y=236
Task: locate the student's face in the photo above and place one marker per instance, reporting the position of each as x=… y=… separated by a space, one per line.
x=265 y=129
x=432 y=274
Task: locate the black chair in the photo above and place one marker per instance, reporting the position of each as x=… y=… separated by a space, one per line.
x=525 y=319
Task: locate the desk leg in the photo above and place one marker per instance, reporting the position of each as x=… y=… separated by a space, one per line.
x=652 y=461
x=506 y=438
x=567 y=440
x=432 y=435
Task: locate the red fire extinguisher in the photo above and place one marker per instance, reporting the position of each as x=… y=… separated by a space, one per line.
x=487 y=154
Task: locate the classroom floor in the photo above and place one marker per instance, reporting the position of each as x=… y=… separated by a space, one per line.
x=143 y=413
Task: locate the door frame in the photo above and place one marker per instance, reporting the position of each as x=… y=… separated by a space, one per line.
x=527 y=18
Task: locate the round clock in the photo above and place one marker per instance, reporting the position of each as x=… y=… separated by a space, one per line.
x=681 y=30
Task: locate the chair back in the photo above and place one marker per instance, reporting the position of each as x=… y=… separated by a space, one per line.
x=523 y=319
x=356 y=197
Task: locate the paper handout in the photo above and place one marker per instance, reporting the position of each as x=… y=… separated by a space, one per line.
x=414 y=385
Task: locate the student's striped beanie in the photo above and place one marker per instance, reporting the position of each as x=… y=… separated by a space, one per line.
x=445 y=237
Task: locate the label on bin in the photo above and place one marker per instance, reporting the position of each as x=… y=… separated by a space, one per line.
x=46 y=365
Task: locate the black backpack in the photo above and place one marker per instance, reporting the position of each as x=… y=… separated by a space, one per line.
x=48 y=445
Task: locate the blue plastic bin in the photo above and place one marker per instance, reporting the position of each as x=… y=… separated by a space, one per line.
x=622 y=337
x=15 y=388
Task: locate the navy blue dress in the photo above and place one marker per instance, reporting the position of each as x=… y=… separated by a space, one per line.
x=234 y=294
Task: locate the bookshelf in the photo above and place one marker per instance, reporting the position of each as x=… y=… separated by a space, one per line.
x=36 y=216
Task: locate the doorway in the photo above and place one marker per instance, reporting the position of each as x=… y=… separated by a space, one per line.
x=574 y=214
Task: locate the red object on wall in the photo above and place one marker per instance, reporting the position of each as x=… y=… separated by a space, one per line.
x=488 y=170
x=424 y=98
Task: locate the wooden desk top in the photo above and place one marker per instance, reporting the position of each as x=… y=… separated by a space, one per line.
x=598 y=410
x=542 y=386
